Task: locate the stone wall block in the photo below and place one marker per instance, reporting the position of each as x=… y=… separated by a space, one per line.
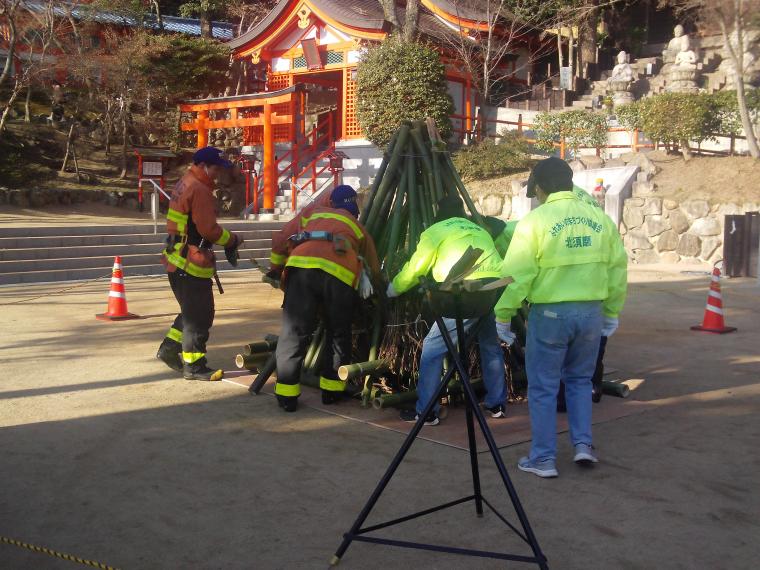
x=678 y=221
x=689 y=245
x=695 y=209
x=491 y=205
x=668 y=241
x=652 y=206
x=632 y=217
x=655 y=225
x=670 y=257
x=647 y=256
x=669 y=204
x=709 y=246
x=643 y=188
x=706 y=227
x=637 y=239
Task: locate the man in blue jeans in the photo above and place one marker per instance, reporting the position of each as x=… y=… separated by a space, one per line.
x=440 y=247
x=568 y=260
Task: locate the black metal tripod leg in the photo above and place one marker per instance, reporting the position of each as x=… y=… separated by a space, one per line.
x=531 y=538
x=388 y=475
x=472 y=443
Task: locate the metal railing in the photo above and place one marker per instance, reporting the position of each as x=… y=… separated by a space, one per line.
x=154 y=200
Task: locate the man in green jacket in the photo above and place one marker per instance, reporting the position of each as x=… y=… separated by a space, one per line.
x=567 y=259
x=439 y=248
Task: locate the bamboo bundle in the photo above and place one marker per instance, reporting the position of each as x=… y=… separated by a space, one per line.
x=416 y=172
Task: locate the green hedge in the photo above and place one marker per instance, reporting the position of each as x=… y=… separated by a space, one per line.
x=401 y=81
x=579 y=128
x=489 y=159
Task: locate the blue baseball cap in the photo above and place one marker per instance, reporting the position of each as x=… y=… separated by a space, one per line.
x=344 y=197
x=211 y=156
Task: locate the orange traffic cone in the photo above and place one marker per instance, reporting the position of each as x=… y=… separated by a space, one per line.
x=713 y=319
x=117 y=297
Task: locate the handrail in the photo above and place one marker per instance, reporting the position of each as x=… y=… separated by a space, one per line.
x=154 y=200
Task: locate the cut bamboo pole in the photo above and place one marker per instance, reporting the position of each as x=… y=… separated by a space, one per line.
x=259 y=346
x=615 y=389
x=372 y=368
x=252 y=361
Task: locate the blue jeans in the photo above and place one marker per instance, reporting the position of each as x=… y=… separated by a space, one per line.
x=563 y=343
x=491 y=362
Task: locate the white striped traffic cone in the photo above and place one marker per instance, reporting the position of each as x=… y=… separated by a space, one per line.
x=117 y=297
x=713 y=319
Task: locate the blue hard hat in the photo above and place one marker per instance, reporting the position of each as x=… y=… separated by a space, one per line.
x=211 y=156
x=344 y=197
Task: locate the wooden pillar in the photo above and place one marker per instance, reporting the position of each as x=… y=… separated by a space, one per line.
x=468 y=106
x=269 y=167
x=202 y=129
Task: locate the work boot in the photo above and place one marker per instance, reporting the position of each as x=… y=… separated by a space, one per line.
x=169 y=354
x=199 y=371
x=288 y=403
x=330 y=397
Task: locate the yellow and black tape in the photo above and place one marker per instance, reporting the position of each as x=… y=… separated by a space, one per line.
x=51 y=552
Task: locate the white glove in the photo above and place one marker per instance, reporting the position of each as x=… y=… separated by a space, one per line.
x=504 y=330
x=391 y=291
x=609 y=326
x=365 y=286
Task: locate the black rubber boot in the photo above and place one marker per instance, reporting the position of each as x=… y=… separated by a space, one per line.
x=199 y=371
x=169 y=354
x=330 y=397
x=288 y=403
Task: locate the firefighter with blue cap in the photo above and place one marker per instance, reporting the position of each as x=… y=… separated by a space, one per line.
x=320 y=257
x=189 y=258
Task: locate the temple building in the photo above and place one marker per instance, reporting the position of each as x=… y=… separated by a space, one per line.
x=300 y=80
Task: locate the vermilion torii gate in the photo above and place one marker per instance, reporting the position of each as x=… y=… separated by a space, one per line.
x=266 y=118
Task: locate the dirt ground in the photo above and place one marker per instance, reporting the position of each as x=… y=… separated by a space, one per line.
x=107 y=456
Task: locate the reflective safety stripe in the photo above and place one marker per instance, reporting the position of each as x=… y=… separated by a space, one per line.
x=328 y=216
x=277 y=259
x=287 y=389
x=195 y=270
x=190 y=357
x=174 y=334
x=117 y=294
x=332 y=385
x=178 y=218
x=334 y=269
x=224 y=239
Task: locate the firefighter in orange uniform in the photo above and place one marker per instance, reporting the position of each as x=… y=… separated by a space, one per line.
x=191 y=264
x=318 y=255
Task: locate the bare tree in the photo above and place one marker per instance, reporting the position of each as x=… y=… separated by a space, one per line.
x=492 y=44
x=37 y=41
x=9 y=9
x=734 y=19
x=408 y=28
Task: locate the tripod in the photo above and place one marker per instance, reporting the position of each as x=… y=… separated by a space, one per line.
x=487 y=296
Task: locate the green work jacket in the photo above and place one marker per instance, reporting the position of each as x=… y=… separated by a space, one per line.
x=565 y=250
x=503 y=240
x=441 y=246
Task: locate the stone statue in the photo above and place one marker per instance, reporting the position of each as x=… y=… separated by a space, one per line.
x=674 y=45
x=619 y=83
x=683 y=74
x=686 y=56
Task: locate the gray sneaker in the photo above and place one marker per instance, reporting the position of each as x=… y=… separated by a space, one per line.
x=543 y=468
x=584 y=454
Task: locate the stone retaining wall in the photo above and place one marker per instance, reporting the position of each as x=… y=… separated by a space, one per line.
x=658 y=229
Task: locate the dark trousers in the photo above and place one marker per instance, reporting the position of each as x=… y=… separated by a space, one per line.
x=196 y=303
x=309 y=295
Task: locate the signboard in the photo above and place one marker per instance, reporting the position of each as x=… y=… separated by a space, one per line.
x=565 y=78
x=152 y=169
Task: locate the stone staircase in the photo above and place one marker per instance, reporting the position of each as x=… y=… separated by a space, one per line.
x=65 y=253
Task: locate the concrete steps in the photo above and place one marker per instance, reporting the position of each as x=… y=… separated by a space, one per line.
x=35 y=255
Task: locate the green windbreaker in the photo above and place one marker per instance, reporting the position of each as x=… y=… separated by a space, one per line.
x=565 y=250
x=441 y=246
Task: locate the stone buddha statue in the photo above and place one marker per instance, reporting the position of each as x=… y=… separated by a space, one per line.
x=683 y=73
x=686 y=57
x=619 y=82
x=674 y=45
